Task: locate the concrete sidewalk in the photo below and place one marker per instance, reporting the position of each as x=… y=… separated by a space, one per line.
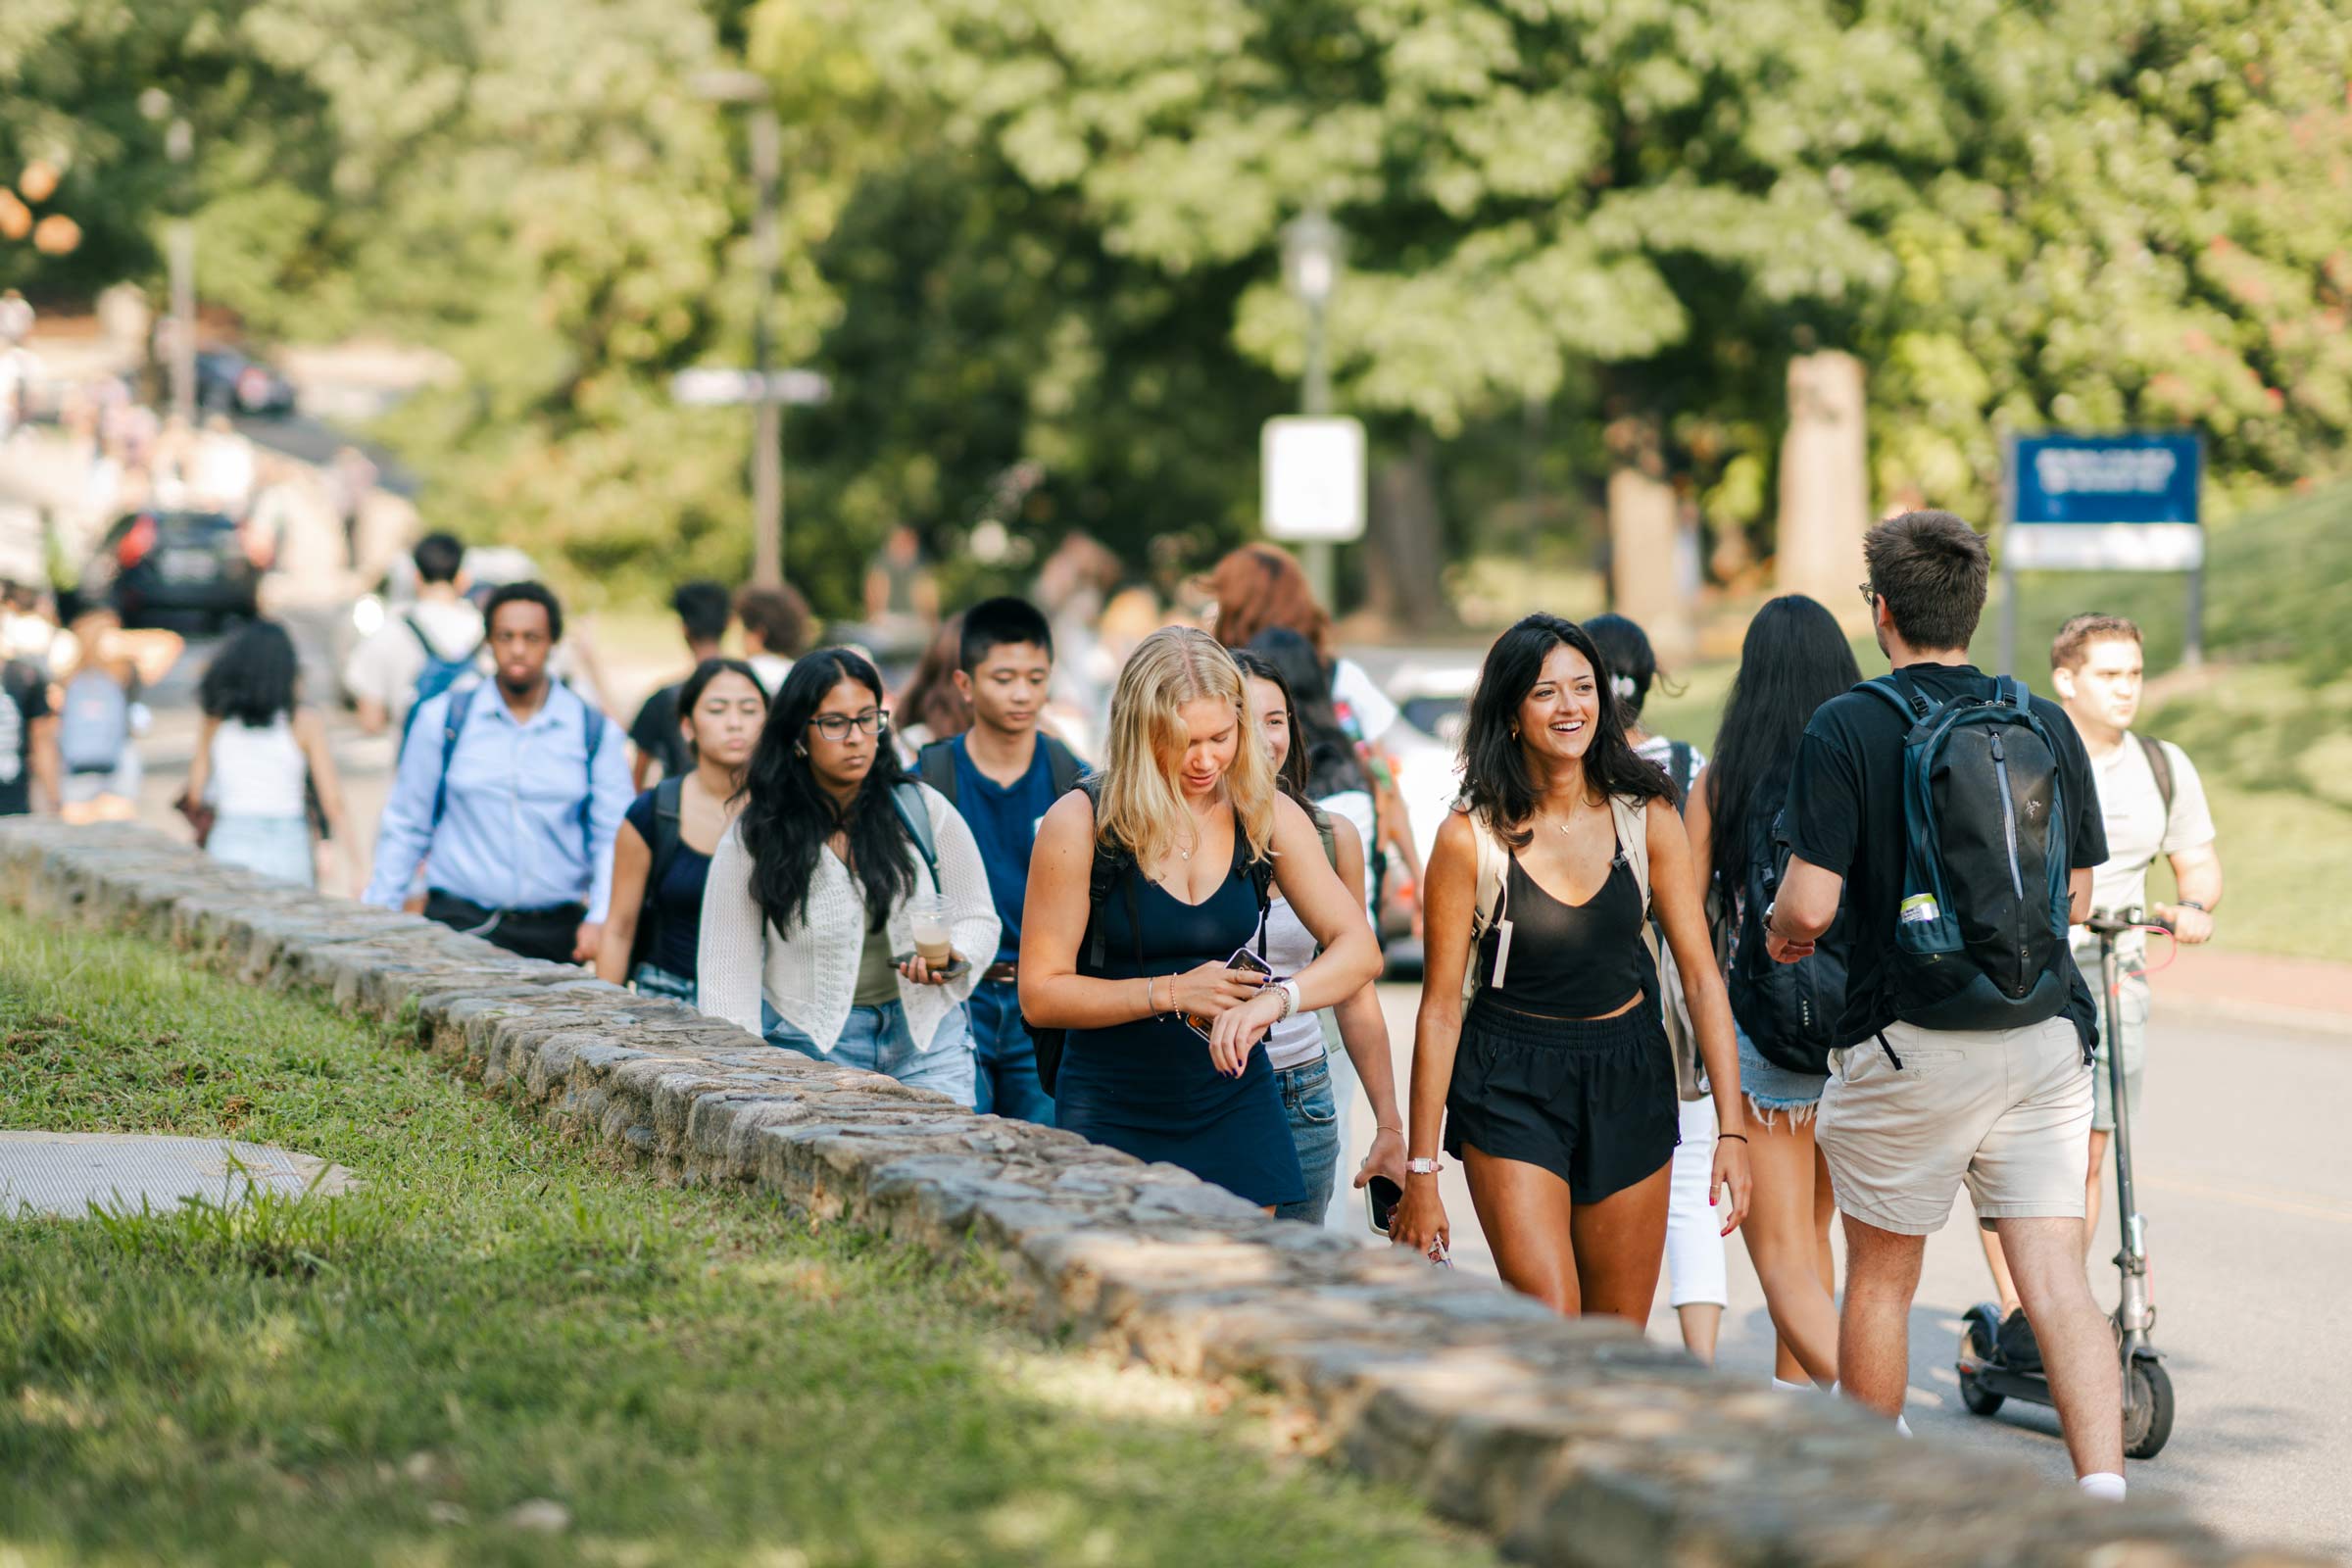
x=2258 y=988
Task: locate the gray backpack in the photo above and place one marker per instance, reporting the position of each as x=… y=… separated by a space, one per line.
x=94 y=725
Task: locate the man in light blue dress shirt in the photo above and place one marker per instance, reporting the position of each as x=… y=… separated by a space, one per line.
x=509 y=794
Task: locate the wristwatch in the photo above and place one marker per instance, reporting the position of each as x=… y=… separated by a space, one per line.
x=1423 y=1168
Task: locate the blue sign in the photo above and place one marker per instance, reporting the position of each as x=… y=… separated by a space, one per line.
x=2113 y=502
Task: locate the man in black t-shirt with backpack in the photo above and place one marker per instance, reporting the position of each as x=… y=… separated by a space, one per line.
x=1956 y=815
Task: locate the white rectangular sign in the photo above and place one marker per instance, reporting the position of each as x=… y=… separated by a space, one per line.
x=2105 y=546
x=719 y=387
x=1313 y=485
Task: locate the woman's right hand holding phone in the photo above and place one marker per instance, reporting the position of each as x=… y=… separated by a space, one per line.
x=1213 y=987
x=1419 y=1219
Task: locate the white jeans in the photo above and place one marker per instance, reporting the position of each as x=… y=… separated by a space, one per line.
x=1695 y=1266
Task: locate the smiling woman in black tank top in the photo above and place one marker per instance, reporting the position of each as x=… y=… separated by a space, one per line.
x=1555 y=1087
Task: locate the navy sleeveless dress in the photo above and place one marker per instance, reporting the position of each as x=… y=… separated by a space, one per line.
x=1148 y=1087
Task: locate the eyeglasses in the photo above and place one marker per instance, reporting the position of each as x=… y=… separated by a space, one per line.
x=837 y=726
x=1870 y=596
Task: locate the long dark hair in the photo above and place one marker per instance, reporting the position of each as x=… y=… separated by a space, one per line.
x=931 y=697
x=787 y=815
x=1495 y=782
x=1794 y=660
x=251 y=681
x=1292 y=775
x=1330 y=758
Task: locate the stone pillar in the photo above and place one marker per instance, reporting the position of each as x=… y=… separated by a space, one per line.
x=1646 y=578
x=1825 y=483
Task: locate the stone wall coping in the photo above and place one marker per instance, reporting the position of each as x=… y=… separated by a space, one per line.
x=1568 y=1441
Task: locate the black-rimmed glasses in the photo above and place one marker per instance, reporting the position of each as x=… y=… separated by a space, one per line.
x=837 y=726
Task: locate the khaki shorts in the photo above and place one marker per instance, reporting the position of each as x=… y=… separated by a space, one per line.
x=2006 y=1112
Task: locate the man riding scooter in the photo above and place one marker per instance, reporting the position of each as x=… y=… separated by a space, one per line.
x=2152 y=803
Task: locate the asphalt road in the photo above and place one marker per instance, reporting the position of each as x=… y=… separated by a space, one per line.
x=2246 y=1175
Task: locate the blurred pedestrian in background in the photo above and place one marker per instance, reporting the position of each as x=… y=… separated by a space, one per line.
x=661 y=859
x=262 y=782
x=899 y=590
x=661 y=744
x=437 y=643
x=29 y=759
x=776 y=629
x=101 y=716
x=931 y=707
x=847 y=911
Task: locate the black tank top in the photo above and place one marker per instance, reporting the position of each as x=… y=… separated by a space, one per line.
x=1569 y=960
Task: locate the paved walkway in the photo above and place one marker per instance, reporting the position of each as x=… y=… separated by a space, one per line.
x=2300 y=993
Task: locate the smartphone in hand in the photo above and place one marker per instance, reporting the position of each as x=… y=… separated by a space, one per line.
x=1249 y=963
x=1381 y=1197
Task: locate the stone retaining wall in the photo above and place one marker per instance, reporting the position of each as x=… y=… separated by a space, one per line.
x=1571 y=1442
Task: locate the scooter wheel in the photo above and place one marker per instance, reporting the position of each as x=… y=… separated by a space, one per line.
x=1977 y=1331
x=2148 y=1418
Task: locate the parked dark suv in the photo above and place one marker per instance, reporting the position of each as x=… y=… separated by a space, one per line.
x=159 y=566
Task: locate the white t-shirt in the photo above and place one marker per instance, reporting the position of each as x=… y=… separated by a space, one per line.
x=384 y=668
x=1659 y=750
x=2138 y=830
x=771 y=669
x=1363 y=699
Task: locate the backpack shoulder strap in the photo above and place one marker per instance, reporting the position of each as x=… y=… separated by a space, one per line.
x=669 y=802
x=1260 y=870
x=2161 y=765
x=935 y=764
x=1062 y=765
x=1906 y=697
x=916 y=814
x=1632 y=821
x=1678 y=760
x=432 y=655
x=453 y=723
x=1101 y=875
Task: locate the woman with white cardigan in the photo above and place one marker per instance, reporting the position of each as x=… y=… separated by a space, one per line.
x=837 y=875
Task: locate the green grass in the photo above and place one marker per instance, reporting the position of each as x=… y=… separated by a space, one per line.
x=2267 y=722
x=499 y=1316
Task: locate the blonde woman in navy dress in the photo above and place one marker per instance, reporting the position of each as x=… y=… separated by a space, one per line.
x=1187 y=808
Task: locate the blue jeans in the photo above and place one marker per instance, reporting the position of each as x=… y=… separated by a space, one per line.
x=276 y=846
x=652 y=980
x=1315 y=1116
x=878 y=1040
x=1006 y=1057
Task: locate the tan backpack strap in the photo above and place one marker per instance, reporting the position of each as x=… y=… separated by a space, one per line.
x=1493 y=861
x=1632 y=818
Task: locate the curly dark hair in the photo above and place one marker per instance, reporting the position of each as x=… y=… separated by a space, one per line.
x=251 y=681
x=787 y=815
x=1496 y=781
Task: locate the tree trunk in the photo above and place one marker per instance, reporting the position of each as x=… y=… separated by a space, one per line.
x=1825 y=483
x=1645 y=576
x=1403 y=558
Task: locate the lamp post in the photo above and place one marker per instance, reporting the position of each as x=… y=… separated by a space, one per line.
x=1312 y=246
x=768 y=428
x=179 y=244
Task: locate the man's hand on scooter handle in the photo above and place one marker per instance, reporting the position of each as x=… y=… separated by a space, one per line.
x=2190 y=926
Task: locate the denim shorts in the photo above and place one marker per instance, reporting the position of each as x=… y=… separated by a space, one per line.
x=1771 y=1088
x=652 y=980
x=878 y=1040
x=1313 y=1112
x=276 y=846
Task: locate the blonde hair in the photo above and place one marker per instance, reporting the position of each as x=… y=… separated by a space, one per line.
x=1140 y=805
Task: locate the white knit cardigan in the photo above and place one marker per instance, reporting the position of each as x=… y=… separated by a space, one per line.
x=810 y=974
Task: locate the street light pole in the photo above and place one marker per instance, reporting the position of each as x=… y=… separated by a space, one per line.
x=179 y=141
x=1310 y=264
x=750 y=88
x=768 y=429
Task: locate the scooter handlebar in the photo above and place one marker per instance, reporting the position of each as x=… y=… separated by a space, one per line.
x=2115 y=922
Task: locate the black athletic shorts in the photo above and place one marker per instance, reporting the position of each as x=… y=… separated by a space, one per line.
x=1590 y=1100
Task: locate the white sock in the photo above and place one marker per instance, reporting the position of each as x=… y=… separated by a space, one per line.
x=1902 y=1428
x=1786 y=1387
x=2104 y=1485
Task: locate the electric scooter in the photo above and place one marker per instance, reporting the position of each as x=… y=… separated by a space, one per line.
x=1985 y=1380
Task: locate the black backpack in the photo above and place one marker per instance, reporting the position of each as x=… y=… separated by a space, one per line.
x=664 y=847
x=1980 y=928
x=1789 y=1011
x=935 y=764
x=1111 y=863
